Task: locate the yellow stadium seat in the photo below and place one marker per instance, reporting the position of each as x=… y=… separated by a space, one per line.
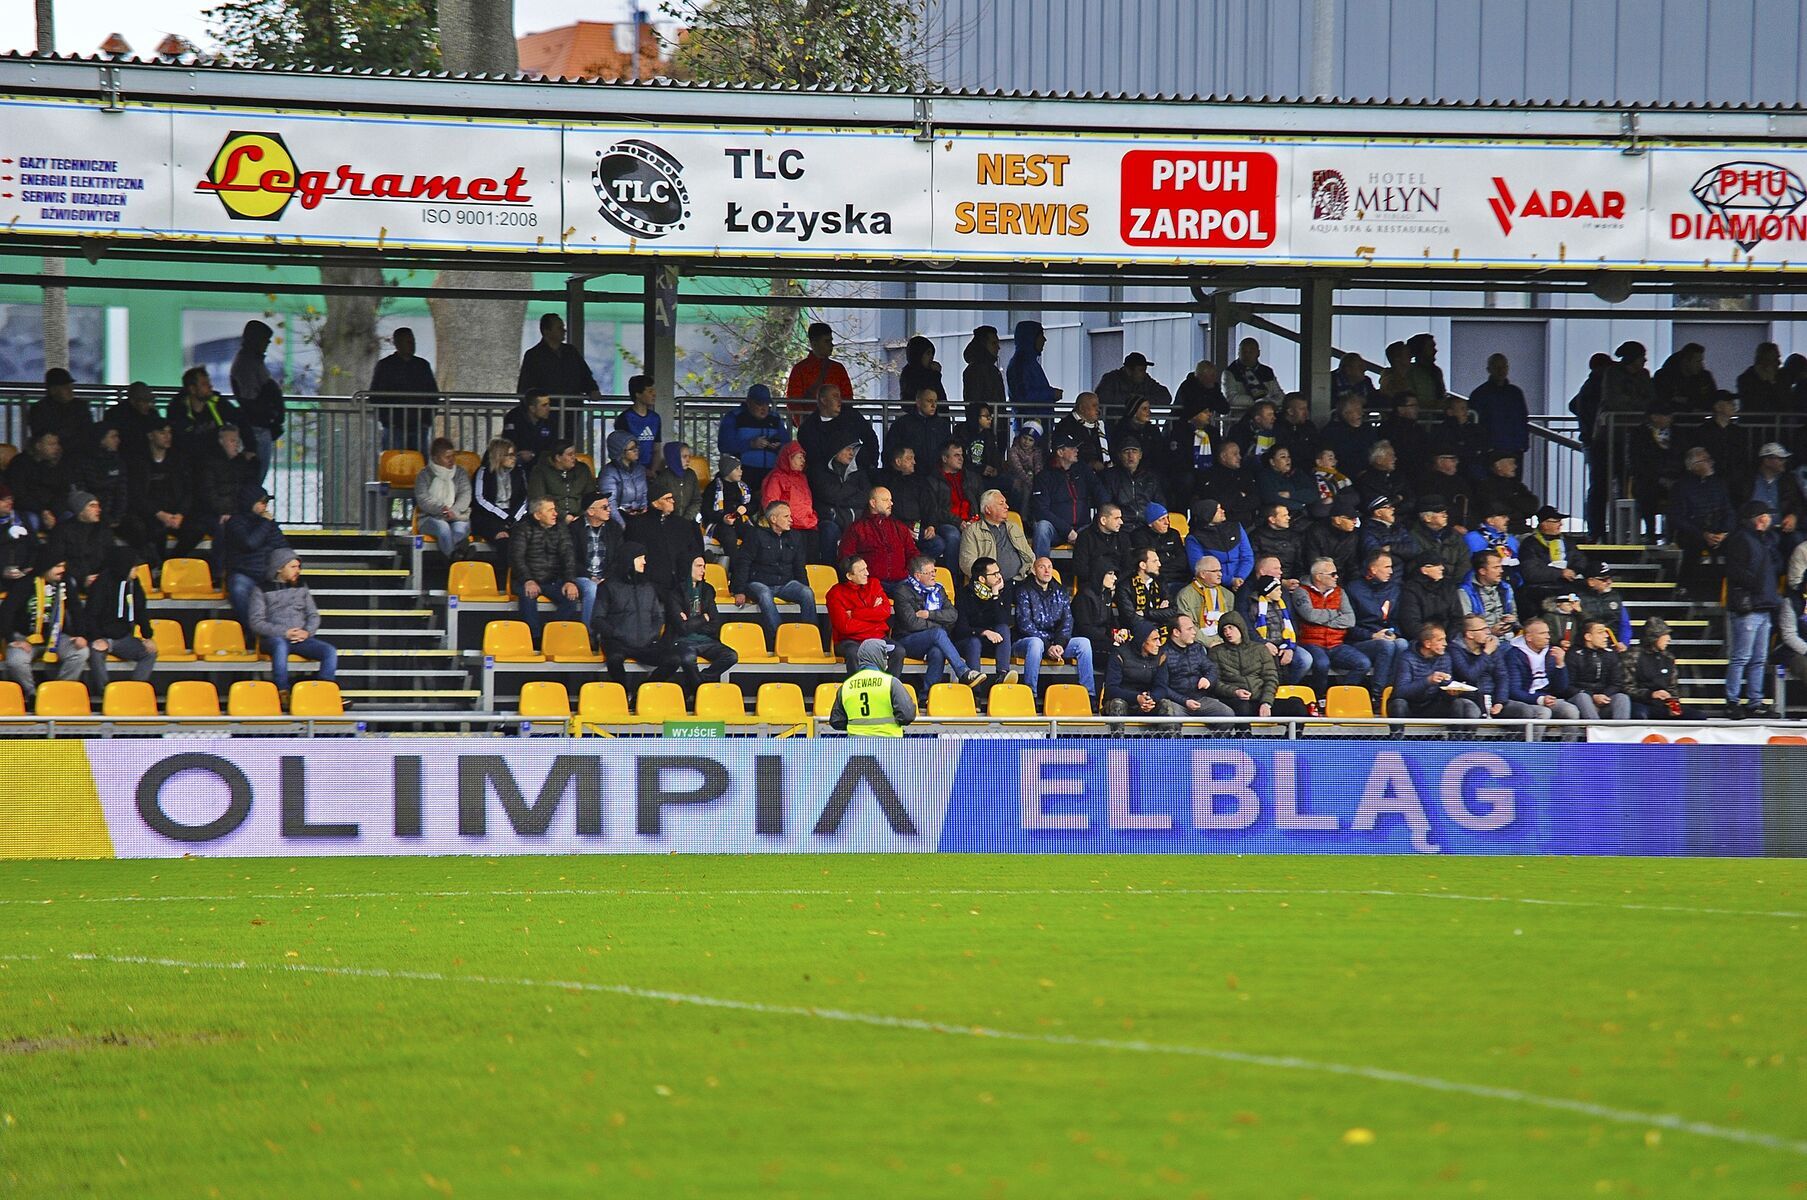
x=129 y=698
x=700 y=464
x=1066 y=700
x=780 y=704
x=1014 y=517
x=1386 y=700
x=469 y=460
x=253 y=698
x=747 y=639
x=12 y=699
x=474 y=581
x=397 y=468
x=567 y=642
x=1179 y=523
x=316 y=698
x=716 y=576
x=952 y=700
x=945 y=578
x=63 y=698
x=1010 y=700
x=1296 y=691
x=821 y=578
x=589 y=462
x=192 y=698
x=800 y=643
x=545 y=700
x=1346 y=700
x=603 y=703
x=510 y=641
x=222 y=641
x=172 y=643
x=189 y=579
x=825 y=696
x=142 y=573
x=721 y=702
x=660 y=702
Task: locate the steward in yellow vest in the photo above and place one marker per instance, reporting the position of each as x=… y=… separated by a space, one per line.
x=872 y=703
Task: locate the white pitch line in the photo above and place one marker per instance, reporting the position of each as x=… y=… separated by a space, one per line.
x=1103 y=892
x=1623 y=1116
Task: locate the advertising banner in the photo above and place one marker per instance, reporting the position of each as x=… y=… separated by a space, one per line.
x=65 y=169
x=261 y=797
x=1749 y=733
x=1728 y=205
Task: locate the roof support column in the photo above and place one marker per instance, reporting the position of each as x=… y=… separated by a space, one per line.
x=1223 y=325
x=1316 y=307
x=659 y=348
x=574 y=311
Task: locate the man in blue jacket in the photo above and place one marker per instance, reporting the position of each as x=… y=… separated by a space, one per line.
x=1421 y=677
x=1044 y=627
x=1536 y=673
x=1480 y=661
x=754 y=434
x=1375 y=599
x=1062 y=498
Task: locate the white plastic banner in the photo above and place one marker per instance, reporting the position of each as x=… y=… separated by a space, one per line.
x=1728 y=205
x=1747 y=733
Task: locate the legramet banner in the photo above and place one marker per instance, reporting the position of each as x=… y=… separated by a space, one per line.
x=220 y=175
x=156 y=798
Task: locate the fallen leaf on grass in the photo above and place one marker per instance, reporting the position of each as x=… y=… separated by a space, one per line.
x=1358 y=1137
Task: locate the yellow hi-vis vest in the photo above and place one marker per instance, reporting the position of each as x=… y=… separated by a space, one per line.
x=866 y=698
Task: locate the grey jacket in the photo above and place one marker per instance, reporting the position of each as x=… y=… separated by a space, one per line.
x=277 y=608
x=905 y=602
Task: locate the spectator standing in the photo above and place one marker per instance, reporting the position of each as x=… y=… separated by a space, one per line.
x=771 y=567
x=1249 y=380
x=544 y=563
x=262 y=410
x=1752 y=568
x=1683 y=381
x=397 y=377
x=283 y=615
x=982 y=382
x=641 y=420
x=243 y=548
x=1773 y=484
x=921 y=373
x=1500 y=405
x=1044 y=624
x=1761 y=387
x=984 y=624
x=1121 y=388
x=923 y=616
x=1424 y=375
x=1425 y=683
x=39 y=615
x=814 y=369
x=924 y=429
x=199 y=413
x=1700 y=516
x=881 y=539
x=859 y=610
x=117 y=620
x=753 y=434
x=1655 y=462
x=555 y=367
x=442 y=497
x=596 y=542
x=693 y=626
x=1032 y=397
x=60 y=411
x=622 y=478
x=499 y=499
x=1395 y=377
x=530 y=429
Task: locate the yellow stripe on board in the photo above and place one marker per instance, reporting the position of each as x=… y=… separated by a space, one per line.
x=56 y=814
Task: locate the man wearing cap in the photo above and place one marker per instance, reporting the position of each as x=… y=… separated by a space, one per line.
x=1752 y=571
x=1131 y=484
x=1062 y=498
x=1428 y=596
x=1600 y=602
x=1721 y=436
x=1431 y=537
x=596 y=541
x=1446 y=478
x=59 y=412
x=1700 y=516
x=1338 y=536
x=1775 y=485
x=670 y=540
x=1491 y=534
x=82 y=541
x=1380 y=527
x=1549 y=562
x=42 y=607
x=1119 y=389
x=754 y=434
x=1500 y=405
x=1158 y=534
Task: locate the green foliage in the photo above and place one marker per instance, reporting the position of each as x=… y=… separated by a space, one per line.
x=364 y=34
x=811 y=43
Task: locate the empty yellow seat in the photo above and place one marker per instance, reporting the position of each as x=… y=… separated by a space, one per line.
x=747 y=639
x=172 y=643
x=63 y=698
x=469 y=460
x=545 y=700
x=721 y=701
x=316 y=698
x=397 y=468
x=189 y=579
x=781 y=704
x=1066 y=700
x=603 y=703
x=1179 y=523
x=800 y=643
x=473 y=580
x=1346 y=700
x=253 y=698
x=1010 y=700
x=660 y=702
x=945 y=578
x=222 y=641
x=716 y=576
x=142 y=573
x=700 y=464
x=129 y=698
x=510 y=642
x=821 y=578
x=825 y=695
x=567 y=642
x=192 y=698
x=952 y=700
x=12 y=699
x=587 y=461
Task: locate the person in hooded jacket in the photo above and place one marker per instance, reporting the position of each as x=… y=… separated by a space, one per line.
x=1135 y=676
x=243 y=548
x=838 y=490
x=100 y=470
x=43 y=606
x=982 y=382
x=670 y=541
x=1156 y=532
x=1102 y=614
x=835 y=424
x=628 y=620
x=623 y=477
x=754 y=434
x=1247 y=675
x=678 y=475
x=693 y=627
x=117 y=620
x=921 y=373
x=283 y=615
x=1032 y=397
x=788 y=484
x=83 y=540
x=564 y=477
x=1653 y=681
x=862 y=717
x=727 y=505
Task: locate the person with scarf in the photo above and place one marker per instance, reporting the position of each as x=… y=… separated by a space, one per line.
x=597 y=543
x=629 y=617
x=1156 y=532
x=678 y=475
x=1329 y=481
x=1492 y=535
x=1270 y=620
x=859 y=610
x=1032 y=397
x=1191 y=453
x=17 y=545
x=922 y=617
x=788 y=484
x=243 y=547
x=1085 y=428
x=284 y=617
x=727 y=506
x=1101 y=614
x=984 y=623
x=83 y=540
x=1213 y=533
x=1132 y=484
x=1249 y=380
x=1550 y=564
x=1146 y=592
x=956 y=495
x=693 y=626
x=117 y=620
x=499 y=498
x=40 y=615
x=1205 y=599
x=442 y=497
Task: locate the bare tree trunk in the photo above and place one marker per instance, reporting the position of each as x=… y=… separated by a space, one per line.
x=55 y=310
x=478 y=341
x=348 y=343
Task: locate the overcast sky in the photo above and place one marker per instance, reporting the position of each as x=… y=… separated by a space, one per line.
x=82 y=25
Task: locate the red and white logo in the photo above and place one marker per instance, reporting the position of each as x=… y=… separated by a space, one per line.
x=1554 y=203
x=1221 y=199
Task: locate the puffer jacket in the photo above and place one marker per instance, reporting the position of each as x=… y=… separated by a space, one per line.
x=1246 y=666
x=629 y=611
x=792 y=487
x=1595 y=671
x=277 y=608
x=1044 y=612
x=543 y=554
x=625 y=485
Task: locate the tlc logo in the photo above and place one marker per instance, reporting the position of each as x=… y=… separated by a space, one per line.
x=1608 y=206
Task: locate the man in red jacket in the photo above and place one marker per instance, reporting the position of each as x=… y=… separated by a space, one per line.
x=813 y=370
x=881 y=539
x=859 y=609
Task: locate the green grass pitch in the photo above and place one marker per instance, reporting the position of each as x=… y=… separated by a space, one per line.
x=903 y=1027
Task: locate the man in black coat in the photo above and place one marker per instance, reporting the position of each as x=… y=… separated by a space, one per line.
x=1429 y=597
x=771 y=566
x=668 y=540
x=1275 y=535
x=544 y=564
x=628 y=620
x=223 y=475
x=1104 y=540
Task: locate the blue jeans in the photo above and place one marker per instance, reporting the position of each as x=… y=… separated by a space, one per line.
x=587 y=590
x=1299 y=668
x=1346 y=659
x=976 y=646
x=239 y=587
x=1041 y=538
x=1078 y=652
x=1383 y=655
x=934 y=647
x=449 y=534
x=281 y=649
x=1749 y=660
x=265 y=446
x=941 y=543
x=767 y=599
x=562 y=609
